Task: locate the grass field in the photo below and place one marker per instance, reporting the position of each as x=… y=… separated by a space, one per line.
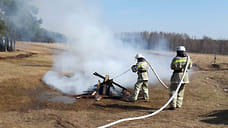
x=24 y=97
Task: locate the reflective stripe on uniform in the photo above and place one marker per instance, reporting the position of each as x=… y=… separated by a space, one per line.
x=140 y=65
x=179 y=61
x=180 y=98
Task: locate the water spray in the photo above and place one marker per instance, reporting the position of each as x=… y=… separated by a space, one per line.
x=122 y=73
x=156 y=112
x=152 y=69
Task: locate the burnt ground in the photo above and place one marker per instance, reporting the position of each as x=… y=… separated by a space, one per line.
x=26 y=102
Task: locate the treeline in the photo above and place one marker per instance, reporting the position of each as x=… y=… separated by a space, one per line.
x=152 y=39
x=18 y=20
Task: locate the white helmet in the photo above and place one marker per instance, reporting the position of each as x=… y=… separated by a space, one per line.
x=139 y=56
x=181 y=48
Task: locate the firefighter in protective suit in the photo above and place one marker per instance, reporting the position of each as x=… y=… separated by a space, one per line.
x=141 y=68
x=178 y=65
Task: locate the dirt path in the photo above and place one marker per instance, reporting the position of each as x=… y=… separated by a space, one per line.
x=26 y=102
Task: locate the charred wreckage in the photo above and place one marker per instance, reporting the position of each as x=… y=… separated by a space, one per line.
x=104 y=89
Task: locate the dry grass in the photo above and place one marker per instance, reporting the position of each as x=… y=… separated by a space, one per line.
x=205 y=103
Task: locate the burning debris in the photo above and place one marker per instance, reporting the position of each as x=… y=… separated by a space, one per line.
x=105 y=89
x=93 y=46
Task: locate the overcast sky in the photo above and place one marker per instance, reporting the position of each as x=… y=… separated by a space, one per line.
x=194 y=17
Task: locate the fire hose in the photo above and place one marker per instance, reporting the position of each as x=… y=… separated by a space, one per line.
x=162 y=83
x=157 y=111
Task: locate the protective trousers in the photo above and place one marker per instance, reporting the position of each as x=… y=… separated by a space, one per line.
x=178 y=99
x=141 y=84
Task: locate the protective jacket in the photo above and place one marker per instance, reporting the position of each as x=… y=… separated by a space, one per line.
x=142 y=70
x=178 y=65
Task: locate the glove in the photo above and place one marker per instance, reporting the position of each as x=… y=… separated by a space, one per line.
x=134 y=68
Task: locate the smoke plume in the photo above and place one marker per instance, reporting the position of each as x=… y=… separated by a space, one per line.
x=94 y=48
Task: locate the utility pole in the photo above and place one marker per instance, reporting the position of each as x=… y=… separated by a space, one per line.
x=214 y=58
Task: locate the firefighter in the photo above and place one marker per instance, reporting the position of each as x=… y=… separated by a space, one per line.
x=141 y=68
x=178 y=65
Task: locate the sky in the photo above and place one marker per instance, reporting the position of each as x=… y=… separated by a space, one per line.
x=197 y=18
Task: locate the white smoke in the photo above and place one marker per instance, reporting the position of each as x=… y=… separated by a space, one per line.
x=93 y=47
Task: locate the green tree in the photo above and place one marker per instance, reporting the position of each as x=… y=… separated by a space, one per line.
x=19 y=21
